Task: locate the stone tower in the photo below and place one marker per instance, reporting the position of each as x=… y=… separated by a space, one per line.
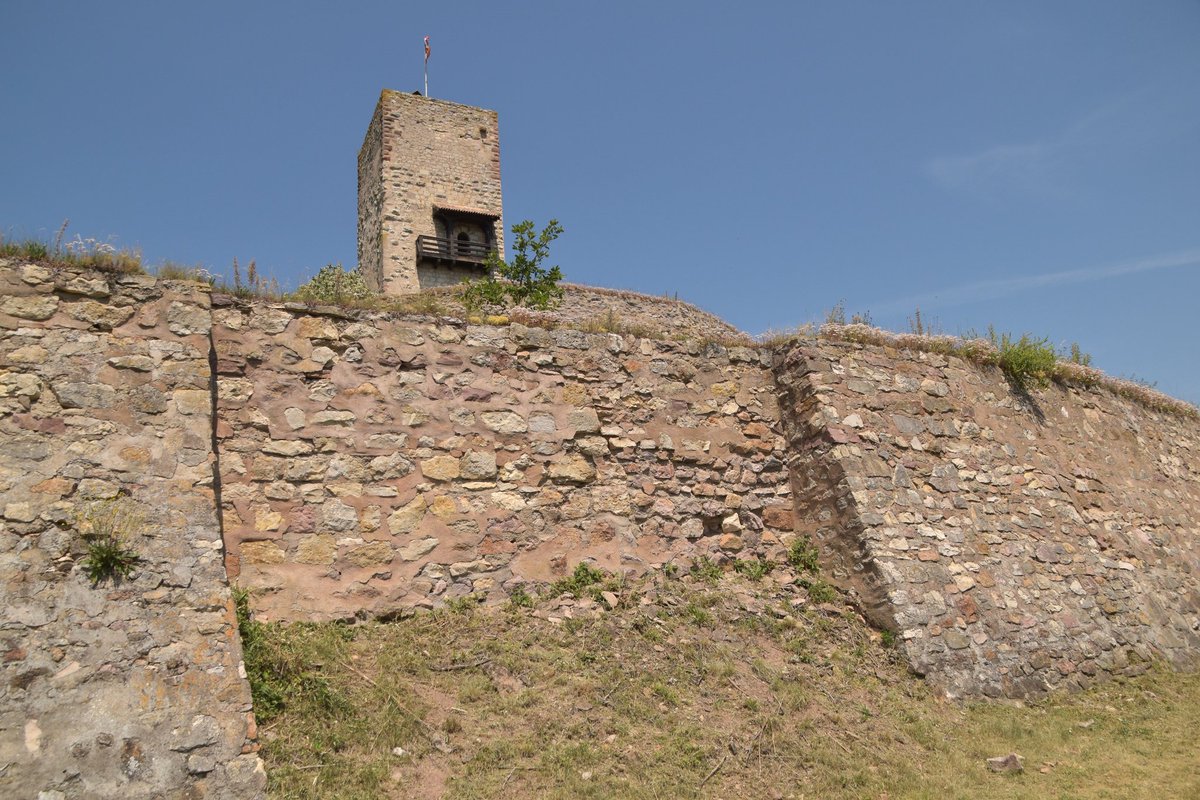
x=429 y=205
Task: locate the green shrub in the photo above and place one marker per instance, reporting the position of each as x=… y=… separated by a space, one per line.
x=334 y=285
x=1026 y=361
x=523 y=281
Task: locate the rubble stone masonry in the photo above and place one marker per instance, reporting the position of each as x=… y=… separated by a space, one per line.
x=345 y=465
x=130 y=689
x=1015 y=543
x=374 y=464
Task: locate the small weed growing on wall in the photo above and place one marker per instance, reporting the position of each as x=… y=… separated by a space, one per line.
x=108 y=558
x=105 y=529
x=78 y=252
x=837 y=314
x=803 y=555
x=1075 y=355
x=419 y=303
x=29 y=250
x=1139 y=381
x=920 y=325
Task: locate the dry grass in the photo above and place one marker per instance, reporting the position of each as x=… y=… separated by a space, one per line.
x=88 y=253
x=983 y=353
x=687 y=690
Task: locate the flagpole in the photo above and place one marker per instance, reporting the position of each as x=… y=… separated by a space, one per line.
x=427 y=66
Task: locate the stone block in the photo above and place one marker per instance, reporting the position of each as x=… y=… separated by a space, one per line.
x=504 y=422
x=370 y=554
x=478 y=465
x=406 y=518
x=440 y=468
x=31 y=307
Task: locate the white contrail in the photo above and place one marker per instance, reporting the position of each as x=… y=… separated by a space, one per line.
x=1003 y=287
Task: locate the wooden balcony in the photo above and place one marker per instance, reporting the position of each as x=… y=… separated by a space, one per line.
x=453 y=252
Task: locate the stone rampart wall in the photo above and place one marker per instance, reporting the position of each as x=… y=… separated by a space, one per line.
x=375 y=464
x=593 y=307
x=129 y=689
x=367 y=464
x=1015 y=543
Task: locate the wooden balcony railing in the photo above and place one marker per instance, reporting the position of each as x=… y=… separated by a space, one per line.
x=453 y=251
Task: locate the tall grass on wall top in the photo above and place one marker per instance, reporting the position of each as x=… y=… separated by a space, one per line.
x=78 y=252
x=1032 y=361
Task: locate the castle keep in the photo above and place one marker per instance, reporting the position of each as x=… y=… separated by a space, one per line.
x=429 y=207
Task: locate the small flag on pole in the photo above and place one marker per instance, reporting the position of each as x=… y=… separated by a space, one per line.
x=426 y=49
x=427 y=66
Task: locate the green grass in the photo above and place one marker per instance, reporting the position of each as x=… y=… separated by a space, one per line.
x=647 y=702
x=754 y=569
x=803 y=555
x=585 y=581
x=707 y=570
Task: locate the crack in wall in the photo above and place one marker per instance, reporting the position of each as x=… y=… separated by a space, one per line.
x=213 y=388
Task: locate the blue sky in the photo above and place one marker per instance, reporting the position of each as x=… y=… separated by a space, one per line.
x=1032 y=165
